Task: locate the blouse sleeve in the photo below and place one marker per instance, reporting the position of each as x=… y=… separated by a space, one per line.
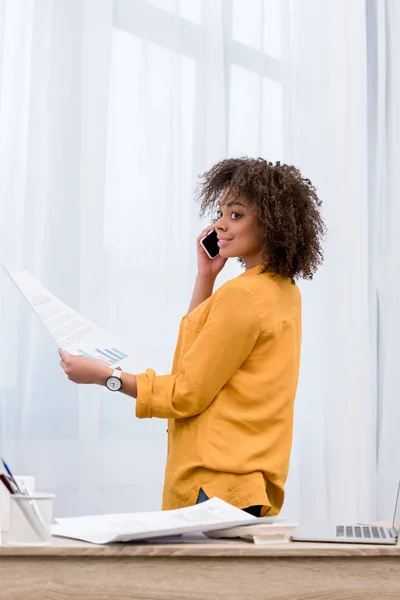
x=224 y=343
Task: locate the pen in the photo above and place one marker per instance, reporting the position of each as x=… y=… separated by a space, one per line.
x=5 y=482
x=34 y=506
x=11 y=475
x=12 y=484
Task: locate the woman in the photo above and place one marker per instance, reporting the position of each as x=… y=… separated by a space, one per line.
x=230 y=396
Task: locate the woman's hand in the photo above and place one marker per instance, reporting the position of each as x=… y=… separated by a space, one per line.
x=208 y=267
x=82 y=369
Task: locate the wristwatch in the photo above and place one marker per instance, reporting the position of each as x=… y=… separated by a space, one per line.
x=114 y=382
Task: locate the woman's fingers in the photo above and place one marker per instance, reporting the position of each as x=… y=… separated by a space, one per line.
x=65 y=358
x=205 y=232
x=63 y=354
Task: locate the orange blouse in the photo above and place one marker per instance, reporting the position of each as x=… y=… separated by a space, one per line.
x=230 y=397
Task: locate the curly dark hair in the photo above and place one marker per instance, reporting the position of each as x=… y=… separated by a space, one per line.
x=287 y=207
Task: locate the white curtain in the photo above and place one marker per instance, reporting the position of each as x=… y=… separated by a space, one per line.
x=109 y=109
x=342 y=126
x=333 y=460
x=384 y=44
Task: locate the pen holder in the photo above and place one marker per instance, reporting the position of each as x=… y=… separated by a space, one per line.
x=26 y=483
x=30 y=520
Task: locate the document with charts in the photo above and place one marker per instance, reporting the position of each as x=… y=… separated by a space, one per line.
x=71 y=331
x=208 y=516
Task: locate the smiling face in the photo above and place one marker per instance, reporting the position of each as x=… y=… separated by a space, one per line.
x=239 y=231
x=276 y=220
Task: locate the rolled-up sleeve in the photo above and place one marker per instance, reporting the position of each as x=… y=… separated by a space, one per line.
x=223 y=344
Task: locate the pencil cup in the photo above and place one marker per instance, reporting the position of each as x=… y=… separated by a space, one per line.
x=30 y=520
x=25 y=483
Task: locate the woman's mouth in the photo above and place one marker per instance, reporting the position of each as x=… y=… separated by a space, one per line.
x=222 y=243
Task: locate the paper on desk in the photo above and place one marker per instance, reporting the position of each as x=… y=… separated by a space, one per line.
x=265 y=531
x=71 y=331
x=207 y=516
x=187 y=538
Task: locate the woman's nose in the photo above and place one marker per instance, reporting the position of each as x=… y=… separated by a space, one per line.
x=220 y=225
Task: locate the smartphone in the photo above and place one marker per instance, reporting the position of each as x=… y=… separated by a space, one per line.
x=210 y=245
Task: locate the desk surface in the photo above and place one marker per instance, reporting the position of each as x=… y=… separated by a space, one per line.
x=65 y=547
x=228 y=570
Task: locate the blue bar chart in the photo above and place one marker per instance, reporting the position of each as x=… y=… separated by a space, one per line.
x=106 y=356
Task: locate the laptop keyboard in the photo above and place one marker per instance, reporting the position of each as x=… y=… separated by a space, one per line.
x=363 y=532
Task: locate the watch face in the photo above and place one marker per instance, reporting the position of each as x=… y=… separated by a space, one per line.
x=114 y=383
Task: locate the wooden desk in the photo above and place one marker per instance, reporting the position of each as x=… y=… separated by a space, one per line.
x=211 y=571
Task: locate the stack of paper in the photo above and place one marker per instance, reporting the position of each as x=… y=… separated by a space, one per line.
x=103 y=529
x=267 y=532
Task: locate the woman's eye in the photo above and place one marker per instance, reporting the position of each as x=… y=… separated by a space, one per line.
x=218 y=215
x=235 y=216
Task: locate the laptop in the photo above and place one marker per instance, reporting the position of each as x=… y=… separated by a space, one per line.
x=352 y=534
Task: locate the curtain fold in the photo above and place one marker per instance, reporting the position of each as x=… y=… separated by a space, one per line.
x=386 y=161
